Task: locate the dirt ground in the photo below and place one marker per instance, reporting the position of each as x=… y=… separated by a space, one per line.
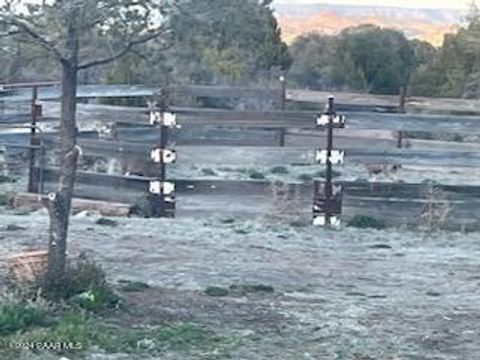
x=346 y=294
x=349 y=294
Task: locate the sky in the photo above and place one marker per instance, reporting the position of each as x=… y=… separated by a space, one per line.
x=444 y=4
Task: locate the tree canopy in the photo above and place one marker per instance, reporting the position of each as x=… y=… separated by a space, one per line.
x=454 y=69
x=212 y=42
x=371 y=59
x=230 y=42
x=364 y=58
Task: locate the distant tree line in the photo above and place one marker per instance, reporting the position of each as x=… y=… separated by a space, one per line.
x=453 y=70
x=370 y=59
x=239 y=42
x=364 y=58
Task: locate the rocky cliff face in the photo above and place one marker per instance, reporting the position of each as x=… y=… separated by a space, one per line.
x=424 y=24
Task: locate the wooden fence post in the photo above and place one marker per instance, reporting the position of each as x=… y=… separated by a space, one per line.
x=400 y=139
x=283 y=96
x=281 y=137
x=35 y=111
x=402 y=99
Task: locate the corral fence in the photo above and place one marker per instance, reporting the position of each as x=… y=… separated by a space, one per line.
x=150 y=138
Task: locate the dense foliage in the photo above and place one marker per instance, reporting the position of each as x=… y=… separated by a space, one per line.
x=210 y=42
x=365 y=58
x=239 y=42
x=454 y=69
x=371 y=59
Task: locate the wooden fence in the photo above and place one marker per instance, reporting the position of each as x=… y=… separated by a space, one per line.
x=283 y=137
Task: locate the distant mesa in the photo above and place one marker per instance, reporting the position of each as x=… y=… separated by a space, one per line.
x=424 y=24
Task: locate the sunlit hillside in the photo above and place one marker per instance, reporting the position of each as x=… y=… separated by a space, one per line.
x=428 y=25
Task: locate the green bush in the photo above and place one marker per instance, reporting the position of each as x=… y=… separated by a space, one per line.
x=13 y=227
x=177 y=337
x=365 y=222
x=18 y=313
x=106 y=222
x=279 y=170
x=216 y=291
x=305 y=177
x=86 y=285
x=73 y=327
x=72 y=331
x=6 y=179
x=257 y=175
x=208 y=172
x=6 y=200
x=251 y=288
x=184 y=336
x=227 y=221
x=299 y=223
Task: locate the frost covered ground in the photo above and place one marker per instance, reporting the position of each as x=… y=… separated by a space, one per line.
x=347 y=294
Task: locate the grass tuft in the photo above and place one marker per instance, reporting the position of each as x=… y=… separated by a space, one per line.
x=6 y=200
x=6 y=179
x=216 y=291
x=208 y=172
x=134 y=286
x=251 y=288
x=106 y=222
x=305 y=177
x=13 y=227
x=365 y=222
x=256 y=175
x=279 y=170
x=18 y=313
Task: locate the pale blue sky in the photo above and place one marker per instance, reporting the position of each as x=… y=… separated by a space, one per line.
x=452 y=4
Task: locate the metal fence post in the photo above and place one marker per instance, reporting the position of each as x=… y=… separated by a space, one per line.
x=327 y=206
x=162 y=192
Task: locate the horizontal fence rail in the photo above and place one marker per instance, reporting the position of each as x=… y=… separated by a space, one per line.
x=112 y=91
x=393 y=203
x=246 y=137
x=274 y=118
x=281 y=119
x=223 y=153
x=372 y=102
x=242 y=156
x=358 y=189
x=361 y=101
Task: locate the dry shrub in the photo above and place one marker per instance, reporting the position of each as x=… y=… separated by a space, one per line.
x=285 y=205
x=436 y=210
x=27 y=267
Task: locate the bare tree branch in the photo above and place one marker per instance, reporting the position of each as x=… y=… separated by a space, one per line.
x=9 y=33
x=123 y=52
x=26 y=29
